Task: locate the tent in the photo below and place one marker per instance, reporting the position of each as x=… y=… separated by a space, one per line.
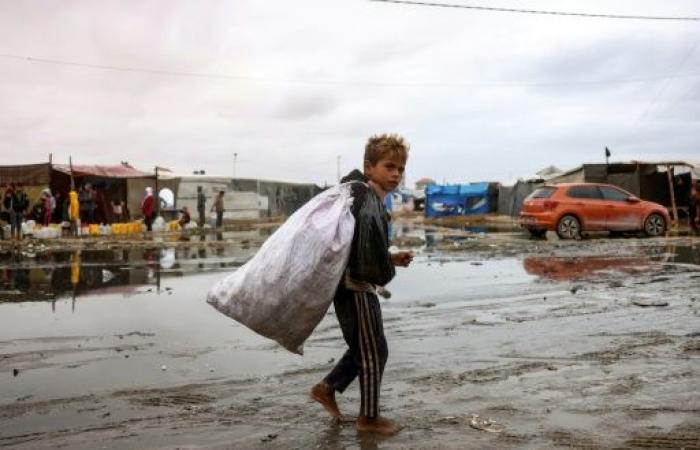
x=457 y=199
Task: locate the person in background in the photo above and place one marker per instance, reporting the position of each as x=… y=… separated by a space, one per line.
x=117 y=211
x=100 y=207
x=201 y=205
x=9 y=200
x=86 y=196
x=183 y=221
x=21 y=207
x=218 y=206
x=148 y=208
x=694 y=209
x=47 y=205
x=74 y=211
x=57 y=216
x=184 y=217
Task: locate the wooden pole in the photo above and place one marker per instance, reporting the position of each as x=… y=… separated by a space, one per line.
x=50 y=170
x=72 y=178
x=157 y=195
x=669 y=171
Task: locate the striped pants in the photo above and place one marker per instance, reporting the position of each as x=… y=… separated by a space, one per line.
x=360 y=318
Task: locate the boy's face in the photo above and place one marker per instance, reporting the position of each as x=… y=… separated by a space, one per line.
x=387 y=172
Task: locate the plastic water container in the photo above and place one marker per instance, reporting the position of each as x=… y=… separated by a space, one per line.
x=158 y=224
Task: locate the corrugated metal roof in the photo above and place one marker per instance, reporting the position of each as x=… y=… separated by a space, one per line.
x=117 y=171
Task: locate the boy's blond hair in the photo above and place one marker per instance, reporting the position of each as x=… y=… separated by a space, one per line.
x=380 y=146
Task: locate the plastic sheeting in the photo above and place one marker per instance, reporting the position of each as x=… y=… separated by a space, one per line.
x=457 y=199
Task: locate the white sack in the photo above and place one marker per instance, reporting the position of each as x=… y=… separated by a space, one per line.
x=284 y=291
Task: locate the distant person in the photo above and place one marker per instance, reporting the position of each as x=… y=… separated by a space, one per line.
x=47 y=205
x=218 y=206
x=100 y=214
x=184 y=217
x=148 y=208
x=86 y=196
x=183 y=221
x=74 y=211
x=117 y=211
x=694 y=209
x=201 y=205
x=59 y=205
x=13 y=206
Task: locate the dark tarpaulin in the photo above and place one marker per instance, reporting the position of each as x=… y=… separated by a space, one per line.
x=26 y=175
x=511 y=198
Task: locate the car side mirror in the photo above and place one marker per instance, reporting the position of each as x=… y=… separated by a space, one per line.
x=633 y=199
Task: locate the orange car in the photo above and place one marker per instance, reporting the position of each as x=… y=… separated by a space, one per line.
x=570 y=208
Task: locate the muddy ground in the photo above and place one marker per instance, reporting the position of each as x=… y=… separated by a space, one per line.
x=584 y=344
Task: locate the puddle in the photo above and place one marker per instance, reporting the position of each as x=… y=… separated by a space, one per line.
x=575 y=268
x=51 y=275
x=60 y=274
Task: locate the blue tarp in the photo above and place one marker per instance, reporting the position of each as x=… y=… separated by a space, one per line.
x=457 y=199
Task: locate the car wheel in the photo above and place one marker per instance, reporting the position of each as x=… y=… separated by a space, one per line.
x=537 y=232
x=655 y=225
x=569 y=227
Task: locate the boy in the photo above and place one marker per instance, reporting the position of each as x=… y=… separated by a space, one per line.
x=370 y=265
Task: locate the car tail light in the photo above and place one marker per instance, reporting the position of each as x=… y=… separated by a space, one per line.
x=550 y=204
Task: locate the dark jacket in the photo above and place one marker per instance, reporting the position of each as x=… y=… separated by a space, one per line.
x=369 y=256
x=201 y=201
x=16 y=201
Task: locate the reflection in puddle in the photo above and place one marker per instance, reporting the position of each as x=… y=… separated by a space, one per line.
x=58 y=274
x=573 y=268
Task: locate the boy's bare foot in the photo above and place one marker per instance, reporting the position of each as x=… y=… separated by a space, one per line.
x=380 y=425
x=325 y=395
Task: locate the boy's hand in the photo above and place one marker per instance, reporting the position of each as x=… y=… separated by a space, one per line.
x=402 y=259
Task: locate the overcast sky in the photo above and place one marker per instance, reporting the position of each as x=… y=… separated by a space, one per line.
x=480 y=96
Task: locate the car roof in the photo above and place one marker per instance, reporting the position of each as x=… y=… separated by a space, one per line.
x=580 y=184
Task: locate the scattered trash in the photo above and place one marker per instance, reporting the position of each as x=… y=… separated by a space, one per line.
x=452 y=420
x=488 y=425
x=269 y=438
x=646 y=303
x=107 y=276
x=426 y=305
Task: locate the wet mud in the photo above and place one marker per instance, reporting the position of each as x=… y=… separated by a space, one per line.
x=546 y=339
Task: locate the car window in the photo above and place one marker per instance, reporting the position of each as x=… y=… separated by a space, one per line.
x=613 y=194
x=544 y=192
x=590 y=192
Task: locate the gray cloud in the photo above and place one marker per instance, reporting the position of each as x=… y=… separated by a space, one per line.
x=311 y=81
x=306 y=106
